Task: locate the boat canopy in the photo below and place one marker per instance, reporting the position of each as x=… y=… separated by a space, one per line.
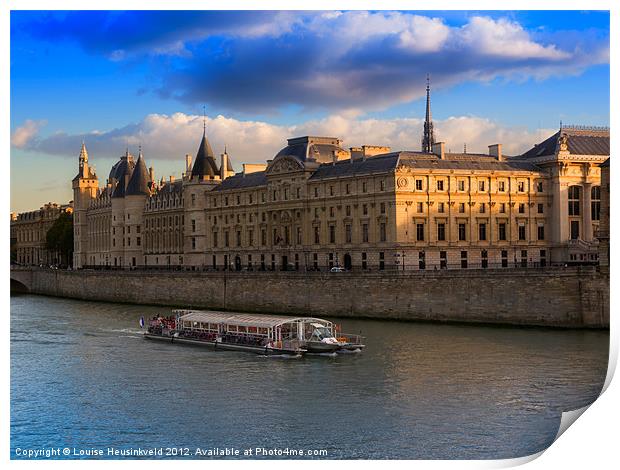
x=243 y=319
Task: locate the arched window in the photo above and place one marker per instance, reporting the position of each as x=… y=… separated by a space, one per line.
x=574 y=200
x=596 y=203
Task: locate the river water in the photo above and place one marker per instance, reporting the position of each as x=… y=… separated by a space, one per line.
x=82 y=378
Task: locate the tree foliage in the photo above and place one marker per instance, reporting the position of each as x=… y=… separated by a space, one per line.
x=60 y=236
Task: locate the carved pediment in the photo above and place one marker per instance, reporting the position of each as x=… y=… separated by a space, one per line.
x=286 y=164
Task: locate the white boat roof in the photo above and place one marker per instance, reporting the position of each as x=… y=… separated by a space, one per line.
x=243 y=319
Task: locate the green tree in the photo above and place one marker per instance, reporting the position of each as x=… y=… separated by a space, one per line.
x=59 y=237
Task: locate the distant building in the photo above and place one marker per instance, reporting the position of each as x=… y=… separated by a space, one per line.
x=316 y=205
x=29 y=234
x=603 y=229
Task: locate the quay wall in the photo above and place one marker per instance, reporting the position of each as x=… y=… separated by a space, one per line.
x=563 y=297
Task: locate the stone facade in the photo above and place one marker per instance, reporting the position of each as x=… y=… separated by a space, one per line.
x=316 y=205
x=560 y=297
x=29 y=235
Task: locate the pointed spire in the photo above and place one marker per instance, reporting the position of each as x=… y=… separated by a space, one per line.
x=428 y=138
x=140 y=177
x=204 y=165
x=204 y=120
x=83 y=152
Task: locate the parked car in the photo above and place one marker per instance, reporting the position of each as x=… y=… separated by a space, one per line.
x=337 y=269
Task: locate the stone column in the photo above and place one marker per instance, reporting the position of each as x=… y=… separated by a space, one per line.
x=587 y=212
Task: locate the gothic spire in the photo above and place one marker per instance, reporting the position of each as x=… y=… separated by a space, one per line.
x=429 y=137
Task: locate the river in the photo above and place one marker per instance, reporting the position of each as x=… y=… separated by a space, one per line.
x=83 y=379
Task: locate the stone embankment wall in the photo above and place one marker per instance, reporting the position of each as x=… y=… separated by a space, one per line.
x=565 y=297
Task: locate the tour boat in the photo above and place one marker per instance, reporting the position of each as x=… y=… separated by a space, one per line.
x=263 y=334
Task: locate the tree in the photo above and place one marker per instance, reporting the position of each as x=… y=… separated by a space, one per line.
x=59 y=237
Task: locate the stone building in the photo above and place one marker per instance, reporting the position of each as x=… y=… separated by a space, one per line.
x=316 y=205
x=29 y=235
x=603 y=229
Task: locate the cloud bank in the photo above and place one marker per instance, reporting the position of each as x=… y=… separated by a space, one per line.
x=261 y=61
x=170 y=137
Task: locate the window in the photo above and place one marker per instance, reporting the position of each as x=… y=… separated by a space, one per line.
x=238 y=238
x=347 y=188
x=332 y=234
x=348 y=211
x=299 y=236
x=481 y=185
x=421 y=260
x=521 y=186
x=263 y=237
x=441 y=208
x=439 y=185
x=464 y=259
x=331 y=190
x=364 y=261
x=443 y=260
x=420 y=232
x=193 y=243
x=418 y=185
x=521 y=208
x=347 y=233
x=364 y=186
x=485 y=258
x=365 y=233
x=524 y=258
x=316 y=212
x=540 y=208
x=286 y=194
x=504 y=258
x=522 y=232
x=382 y=234
x=316 y=192
x=501 y=186
x=226 y=240
x=382 y=185
x=365 y=209
x=331 y=211
x=298 y=193
x=574 y=199
x=225 y=200
x=482 y=232
x=317 y=235
x=315 y=261
x=250 y=198
x=383 y=207
x=482 y=208
x=420 y=207
x=574 y=229
x=214 y=239
x=193 y=200
x=462 y=232
x=596 y=202
x=461 y=185
x=502 y=207
x=138 y=241
x=539 y=186
x=541 y=232
x=462 y=207
x=238 y=200
x=501 y=232
x=441 y=232
x=543 y=257
x=381 y=260
x=193 y=225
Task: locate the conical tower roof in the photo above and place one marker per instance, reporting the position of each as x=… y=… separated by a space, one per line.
x=120 y=170
x=140 y=179
x=205 y=165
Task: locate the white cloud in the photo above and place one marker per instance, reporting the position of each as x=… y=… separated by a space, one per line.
x=24 y=134
x=167 y=138
x=504 y=38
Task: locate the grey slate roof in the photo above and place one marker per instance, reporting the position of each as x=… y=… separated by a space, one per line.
x=205 y=165
x=305 y=148
x=121 y=168
x=378 y=164
x=239 y=181
x=140 y=180
x=580 y=142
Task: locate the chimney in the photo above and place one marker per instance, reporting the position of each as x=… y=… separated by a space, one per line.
x=495 y=150
x=152 y=174
x=188 y=163
x=223 y=166
x=439 y=149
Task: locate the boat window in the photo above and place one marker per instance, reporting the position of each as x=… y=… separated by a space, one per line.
x=242 y=329
x=321 y=333
x=232 y=328
x=252 y=329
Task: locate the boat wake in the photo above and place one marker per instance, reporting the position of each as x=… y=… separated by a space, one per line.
x=325 y=354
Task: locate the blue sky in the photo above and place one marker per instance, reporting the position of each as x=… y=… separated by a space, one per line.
x=128 y=78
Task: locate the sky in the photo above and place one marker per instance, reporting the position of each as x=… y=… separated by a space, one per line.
x=146 y=78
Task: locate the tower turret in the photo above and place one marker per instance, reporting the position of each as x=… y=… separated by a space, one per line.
x=428 y=139
x=85 y=186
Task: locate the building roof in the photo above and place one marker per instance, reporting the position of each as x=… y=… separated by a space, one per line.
x=305 y=148
x=242 y=181
x=124 y=167
x=205 y=165
x=605 y=164
x=377 y=164
x=579 y=141
x=139 y=183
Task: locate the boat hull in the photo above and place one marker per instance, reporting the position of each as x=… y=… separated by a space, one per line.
x=224 y=346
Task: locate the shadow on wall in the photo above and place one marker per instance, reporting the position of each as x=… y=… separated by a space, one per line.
x=18 y=288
